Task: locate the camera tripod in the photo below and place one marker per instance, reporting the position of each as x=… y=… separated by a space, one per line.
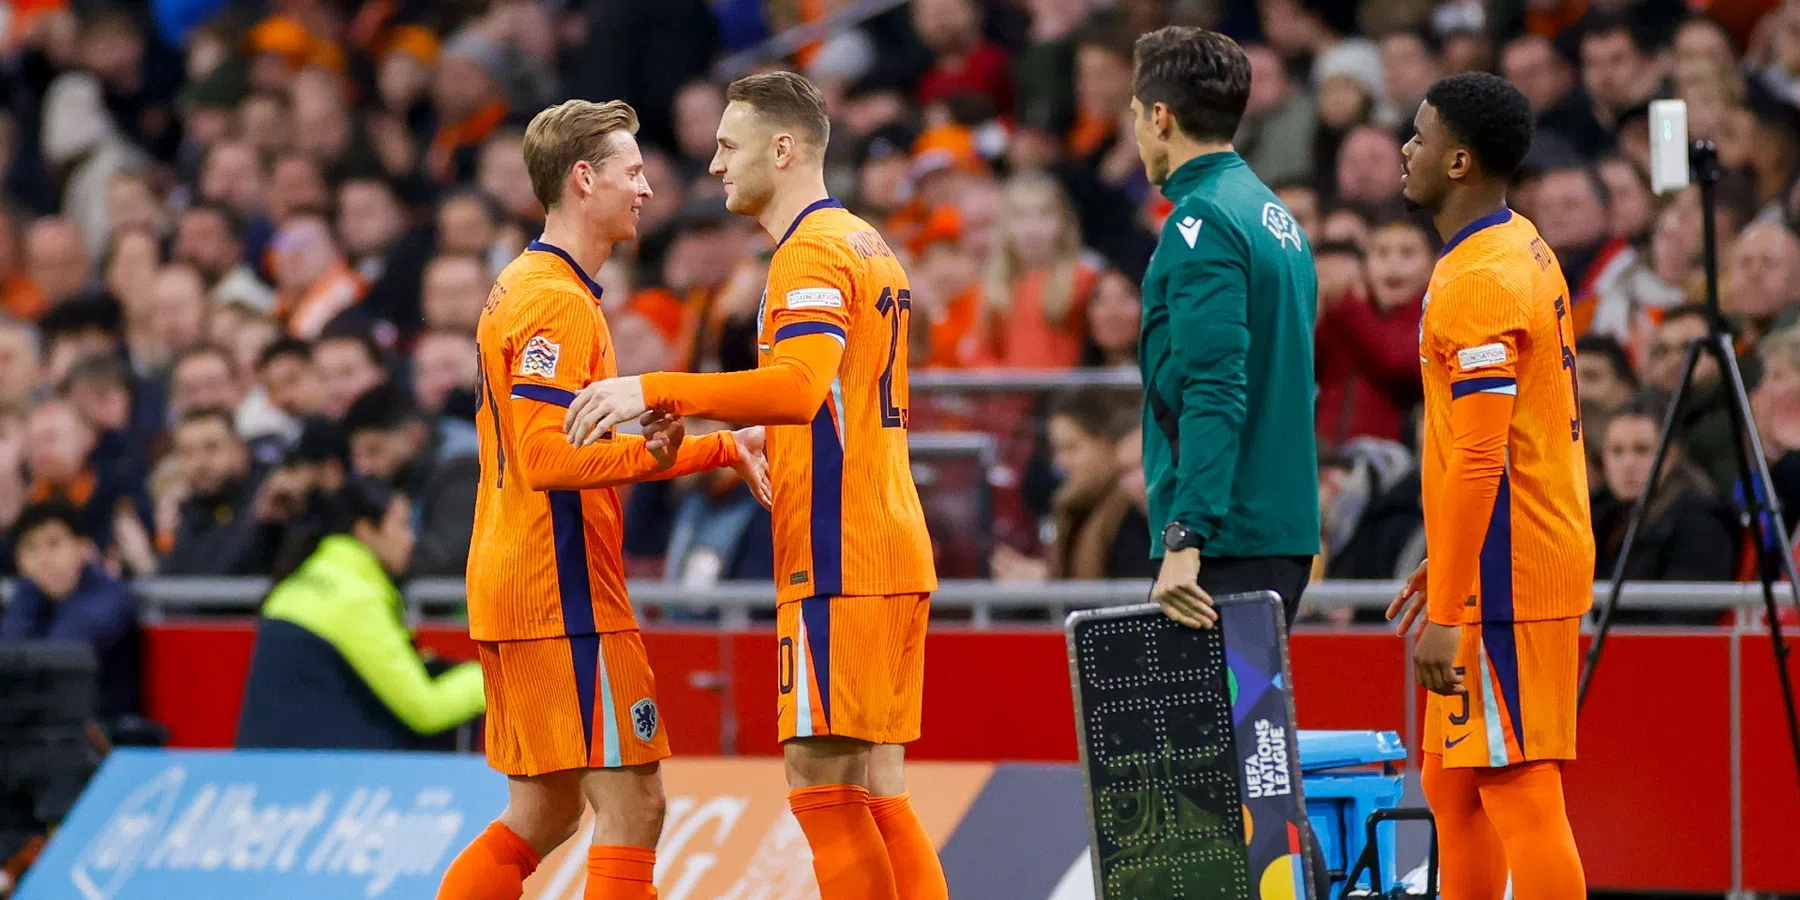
x=1774 y=552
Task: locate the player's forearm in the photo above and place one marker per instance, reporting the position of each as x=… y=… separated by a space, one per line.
x=549 y=463
x=701 y=454
x=787 y=391
x=1477 y=464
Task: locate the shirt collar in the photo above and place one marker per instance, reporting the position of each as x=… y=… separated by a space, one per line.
x=1188 y=173
x=543 y=246
x=1498 y=217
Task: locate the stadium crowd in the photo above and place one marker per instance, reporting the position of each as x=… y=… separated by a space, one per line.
x=245 y=248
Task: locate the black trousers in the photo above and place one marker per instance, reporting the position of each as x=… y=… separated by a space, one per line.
x=1285 y=575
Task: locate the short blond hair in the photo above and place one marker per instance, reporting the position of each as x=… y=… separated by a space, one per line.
x=786 y=99
x=571 y=132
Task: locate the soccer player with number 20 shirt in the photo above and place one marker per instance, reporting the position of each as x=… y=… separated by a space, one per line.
x=1511 y=563
x=853 y=562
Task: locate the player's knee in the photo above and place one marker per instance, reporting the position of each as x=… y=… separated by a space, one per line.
x=887 y=770
x=629 y=805
x=543 y=826
x=826 y=760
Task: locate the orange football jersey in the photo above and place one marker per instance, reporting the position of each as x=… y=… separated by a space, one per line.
x=545 y=558
x=847 y=519
x=1504 y=468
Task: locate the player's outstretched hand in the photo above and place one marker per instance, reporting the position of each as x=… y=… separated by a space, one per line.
x=752 y=464
x=1179 y=593
x=1410 y=601
x=1434 y=658
x=601 y=407
x=663 y=434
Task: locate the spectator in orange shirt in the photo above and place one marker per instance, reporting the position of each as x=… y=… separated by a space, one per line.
x=56 y=260
x=1037 y=286
x=313 y=283
x=946 y=285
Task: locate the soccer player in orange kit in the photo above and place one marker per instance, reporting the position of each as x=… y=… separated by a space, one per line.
x=571 y=702
x=853 y=562
x=1506 y=509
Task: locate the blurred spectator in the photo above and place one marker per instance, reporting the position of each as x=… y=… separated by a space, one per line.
x=176 y=312
x=314 y=284
x=205 y=514
x=1302 y=202
x=108 y=495
x=233 y=176
x=84 y=149
x=501 y=176
x=334 y=665
x=455 y=289
x=1629 y=199
x=1775 y=403
x=1763 y=140
x=1411 y=60
x=1760 y=284
x=443 y=363
x=1371 y=517
x=285 y=373
x=468 y=225
x=133 y=204
x=947 y=301
x=1037 y=285
x=1703 y=420
x=1276 y=136
x=20 y=364
x=1103 y=83
x=1618 y=68
x=1367 y=369
x=386 y=253
x=1571 y=210
x=55 y=260
x=391 y=441
x=1685 y=534
x=1090 y=510
x=1045 y=69
x=19 y=297
x=467 y=90
x=719 y=531
x=1114 y=318
x=296 y=188
x=963 y=62
x=206 y=376
x=1346 y=223
x=1368 y=169
x=63 y=594
x=1603 y=369
x=1340 y=271
x=92 y=326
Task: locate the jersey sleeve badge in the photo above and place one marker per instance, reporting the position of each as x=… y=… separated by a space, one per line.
x=539 y=358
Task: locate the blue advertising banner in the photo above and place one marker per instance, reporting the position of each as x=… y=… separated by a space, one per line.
x=270 y=825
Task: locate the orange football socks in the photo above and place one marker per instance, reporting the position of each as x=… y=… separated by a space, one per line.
x=918 y=874
x=1471 y=859
x=621 y=873
x=850 y=858
x=493 y=867
x=1525 y=803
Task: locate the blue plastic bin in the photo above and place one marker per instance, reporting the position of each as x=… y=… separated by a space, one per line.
x=1347 y=775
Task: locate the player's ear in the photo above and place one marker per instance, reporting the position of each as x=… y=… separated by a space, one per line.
x=784 y=150
x=1461 y=160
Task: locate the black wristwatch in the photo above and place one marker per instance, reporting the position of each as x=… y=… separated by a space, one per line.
x=1179 y=537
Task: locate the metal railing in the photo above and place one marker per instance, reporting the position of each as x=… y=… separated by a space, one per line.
x=442 y=599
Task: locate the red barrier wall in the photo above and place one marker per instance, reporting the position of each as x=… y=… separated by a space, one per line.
x=1650 y=797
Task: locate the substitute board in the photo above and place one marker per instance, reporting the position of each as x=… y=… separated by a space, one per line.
x=1188 y=753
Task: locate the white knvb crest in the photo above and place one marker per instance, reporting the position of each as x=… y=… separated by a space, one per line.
x=643 y=719
x=1281 y=225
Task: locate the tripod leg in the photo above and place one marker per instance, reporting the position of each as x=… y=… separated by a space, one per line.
x=1774 y=550
x=1638 y=508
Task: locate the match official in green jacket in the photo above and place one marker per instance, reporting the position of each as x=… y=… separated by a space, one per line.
x=1227 y=347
